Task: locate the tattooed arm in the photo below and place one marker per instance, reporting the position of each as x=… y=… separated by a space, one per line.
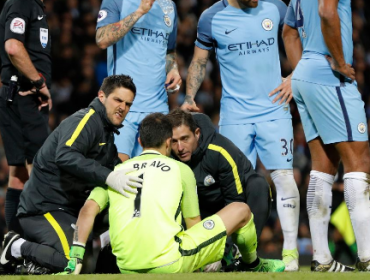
x=171 y=61
x=196 y=74
x=112 y=33
x=173 y=80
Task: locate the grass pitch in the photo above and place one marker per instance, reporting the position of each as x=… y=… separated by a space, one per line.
x=304 y=274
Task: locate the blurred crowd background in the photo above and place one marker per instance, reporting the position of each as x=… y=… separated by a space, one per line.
x=79 y=67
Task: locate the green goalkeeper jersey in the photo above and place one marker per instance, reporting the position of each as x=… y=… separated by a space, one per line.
x=143 y=227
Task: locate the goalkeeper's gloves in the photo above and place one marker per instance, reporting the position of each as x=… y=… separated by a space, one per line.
x=76 y=255
x=123 y=183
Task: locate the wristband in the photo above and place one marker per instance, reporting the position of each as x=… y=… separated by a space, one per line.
x=39 y=84
x=77 y=251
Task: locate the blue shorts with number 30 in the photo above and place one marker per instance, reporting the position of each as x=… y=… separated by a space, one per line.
x=272 y=141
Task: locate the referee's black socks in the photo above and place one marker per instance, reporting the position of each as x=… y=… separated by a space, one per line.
x=11 y=207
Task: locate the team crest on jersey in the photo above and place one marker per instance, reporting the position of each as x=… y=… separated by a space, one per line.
x=361 y=128
x=44 y=35
x=209 y=224
x=209 y=180
x=167 y=20
x=102 y=15
x=267 y=24
x=18 y=26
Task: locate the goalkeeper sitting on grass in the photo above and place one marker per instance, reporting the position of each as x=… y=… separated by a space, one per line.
x=145 y=230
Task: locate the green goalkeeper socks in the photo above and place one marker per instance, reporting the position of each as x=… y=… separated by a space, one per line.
x=246 y=240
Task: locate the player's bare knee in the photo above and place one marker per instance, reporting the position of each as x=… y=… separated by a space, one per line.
x=243 y=212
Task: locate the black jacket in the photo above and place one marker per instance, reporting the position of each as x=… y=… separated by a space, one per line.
x=77 y=156
x=220 y=168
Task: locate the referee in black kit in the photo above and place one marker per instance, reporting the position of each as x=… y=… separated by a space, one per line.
x=24 y=98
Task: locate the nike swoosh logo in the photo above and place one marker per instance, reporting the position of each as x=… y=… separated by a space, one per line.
x=282 y=199
x=40 y=17
x=289 y=159
x=228 y=32
x=102 y=144
x=3 y=259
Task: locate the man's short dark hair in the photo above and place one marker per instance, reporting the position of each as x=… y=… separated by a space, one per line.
x=110 y=83
x=154 y=130
x=179 y=117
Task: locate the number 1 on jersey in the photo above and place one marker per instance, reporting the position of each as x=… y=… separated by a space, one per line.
x=137 y=201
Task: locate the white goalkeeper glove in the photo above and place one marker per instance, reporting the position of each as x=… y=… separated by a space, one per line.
x=123 y=183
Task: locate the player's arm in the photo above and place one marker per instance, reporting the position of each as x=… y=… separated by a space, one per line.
x=173 y=80
x=196 y=75
x=97 y=201
x=293 y=49
x=192 y=221
x=292 y=44
x=189 y=203
x=330 y=27
x=284 y=90
x=112 y=33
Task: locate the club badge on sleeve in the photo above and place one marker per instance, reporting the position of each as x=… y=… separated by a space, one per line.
x=167 y=20
x=102 y=15
x=361 y=128
x=18 y=25
x=209 y=224
x=44 y=35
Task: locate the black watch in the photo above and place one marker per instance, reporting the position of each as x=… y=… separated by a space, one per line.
x=38 y=83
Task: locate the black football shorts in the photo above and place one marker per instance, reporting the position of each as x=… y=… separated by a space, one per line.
x=23 y=127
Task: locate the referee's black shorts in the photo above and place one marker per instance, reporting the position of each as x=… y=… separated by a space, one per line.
x=23 y=127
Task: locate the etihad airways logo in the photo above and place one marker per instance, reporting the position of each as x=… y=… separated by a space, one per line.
x=150 y=35
x=252 y=47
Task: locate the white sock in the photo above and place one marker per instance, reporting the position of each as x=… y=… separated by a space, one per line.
x=356 y=194
x=15 y=250
x=287 y=203
x=319 y=198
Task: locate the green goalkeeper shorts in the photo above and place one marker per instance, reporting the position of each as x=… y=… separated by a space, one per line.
x=204 y=243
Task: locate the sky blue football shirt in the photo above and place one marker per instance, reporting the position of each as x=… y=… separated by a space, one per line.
x=304 y=15
x=141 y=53
x=246 y=45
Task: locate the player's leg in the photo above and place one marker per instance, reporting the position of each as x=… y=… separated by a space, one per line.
x=325 y=161
x=356 y=161
x=257 y=189
x=205 y=242
x=258 y=198
x=239 y=223
x=242 y=135
x=137 y=149
x=318 y=106
x=274 y=142
x=127 y=138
